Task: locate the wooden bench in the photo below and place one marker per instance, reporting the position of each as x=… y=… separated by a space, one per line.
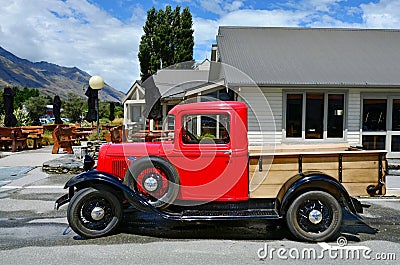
x=63 y=137
x=49 y=127
x=12 y=137
x=34 y=133
x=82 y=133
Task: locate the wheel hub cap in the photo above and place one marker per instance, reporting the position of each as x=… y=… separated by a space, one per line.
x=150 y=183
x=97 y=213
x=315 y=216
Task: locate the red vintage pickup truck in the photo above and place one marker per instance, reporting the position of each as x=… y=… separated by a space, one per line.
x=201 y=169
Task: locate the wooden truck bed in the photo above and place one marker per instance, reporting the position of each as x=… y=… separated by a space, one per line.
x=355 y=170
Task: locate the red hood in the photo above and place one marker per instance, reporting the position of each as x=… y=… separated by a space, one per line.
x=130 y=149
x=129 y=152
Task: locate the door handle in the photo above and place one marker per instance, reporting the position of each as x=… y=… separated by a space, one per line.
x=229 y=152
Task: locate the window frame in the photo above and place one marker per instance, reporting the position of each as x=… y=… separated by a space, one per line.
x=325 y=117
x=389 y=133
x=198 y=125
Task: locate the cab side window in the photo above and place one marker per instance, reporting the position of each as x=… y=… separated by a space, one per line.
x=206 y=129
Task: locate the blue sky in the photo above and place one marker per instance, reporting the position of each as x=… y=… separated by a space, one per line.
x=102 y=36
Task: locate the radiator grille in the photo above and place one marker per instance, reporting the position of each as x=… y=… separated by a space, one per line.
x=119 y=167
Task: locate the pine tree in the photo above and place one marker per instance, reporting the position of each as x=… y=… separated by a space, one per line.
x=184 y=49
x=147 y=55
x=167 y=40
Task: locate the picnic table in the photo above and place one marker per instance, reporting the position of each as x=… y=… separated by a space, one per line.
x=82 y=133
x=12 y=137
x=35 y=133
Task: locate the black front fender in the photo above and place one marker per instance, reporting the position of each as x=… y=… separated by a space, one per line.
x=309 y=181
x=93 y=178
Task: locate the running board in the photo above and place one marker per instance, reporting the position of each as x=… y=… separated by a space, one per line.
x=202 y=215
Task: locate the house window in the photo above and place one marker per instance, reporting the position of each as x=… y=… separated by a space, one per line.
x=335 y=115
x=396 y=115
x=395 y=143
x=374 y=123
x=136 y=114
x=374 y=142
x=294 y=108
x=315 y=115
x=221 y=94
x=374 y=114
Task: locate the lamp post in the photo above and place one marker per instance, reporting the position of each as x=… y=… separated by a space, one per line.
x=97 y=83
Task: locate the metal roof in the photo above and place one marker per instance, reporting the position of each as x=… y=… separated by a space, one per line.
x=305 y=56
x=174 y=82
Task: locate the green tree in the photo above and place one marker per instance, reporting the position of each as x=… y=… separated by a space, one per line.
x=36 y=107
x=167 y=39
x=22 y=95
x=147 y=51
x=185 y=43
x=74 y=107
x=104 y=110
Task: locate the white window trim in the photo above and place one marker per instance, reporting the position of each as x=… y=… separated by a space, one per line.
x=325 y=138
x=389 y=115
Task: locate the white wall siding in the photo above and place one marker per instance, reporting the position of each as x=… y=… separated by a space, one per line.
x=354 y=117
x=265 y=114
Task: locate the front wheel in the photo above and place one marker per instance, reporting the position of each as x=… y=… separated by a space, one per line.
x=94 y=212
x=155 y=179
x=314 y=216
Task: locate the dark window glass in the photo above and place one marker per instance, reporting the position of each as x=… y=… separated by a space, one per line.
x=335 y=116
x=314 y=115
x=396 y=115
x=294 y=114
x=226 y=96
x=170 y=124
x=396 y=143
x=374 y=114
x=374 y=142
x=137 y=114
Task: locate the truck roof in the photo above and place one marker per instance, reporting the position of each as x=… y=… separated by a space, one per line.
x=207 y=106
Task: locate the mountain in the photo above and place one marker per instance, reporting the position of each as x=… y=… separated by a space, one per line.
x=49 y=78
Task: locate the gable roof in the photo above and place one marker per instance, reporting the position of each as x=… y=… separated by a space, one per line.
x=304 y=56
x=172 y=82
x=132 y=90
x=176 y=83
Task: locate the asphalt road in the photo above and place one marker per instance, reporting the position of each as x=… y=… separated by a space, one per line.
x=32 y=232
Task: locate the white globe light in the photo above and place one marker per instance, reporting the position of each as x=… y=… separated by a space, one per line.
x=96 y=82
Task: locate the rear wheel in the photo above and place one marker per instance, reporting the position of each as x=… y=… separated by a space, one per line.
x=314 y=216
x=94 y=212
x=154 y=179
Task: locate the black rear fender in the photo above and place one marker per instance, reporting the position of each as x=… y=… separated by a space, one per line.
x=312 y=181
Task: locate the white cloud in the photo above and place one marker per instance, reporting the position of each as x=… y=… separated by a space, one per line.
x=384 y=14
x=264 y=18
x=77 y=33
x=235 y=5
x=212 y=6
x=221 y=7
x=322 y=5
x=205 y=30
x=72 y=33
x=326 y=21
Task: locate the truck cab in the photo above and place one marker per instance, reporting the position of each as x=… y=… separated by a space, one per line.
x=200 y=168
